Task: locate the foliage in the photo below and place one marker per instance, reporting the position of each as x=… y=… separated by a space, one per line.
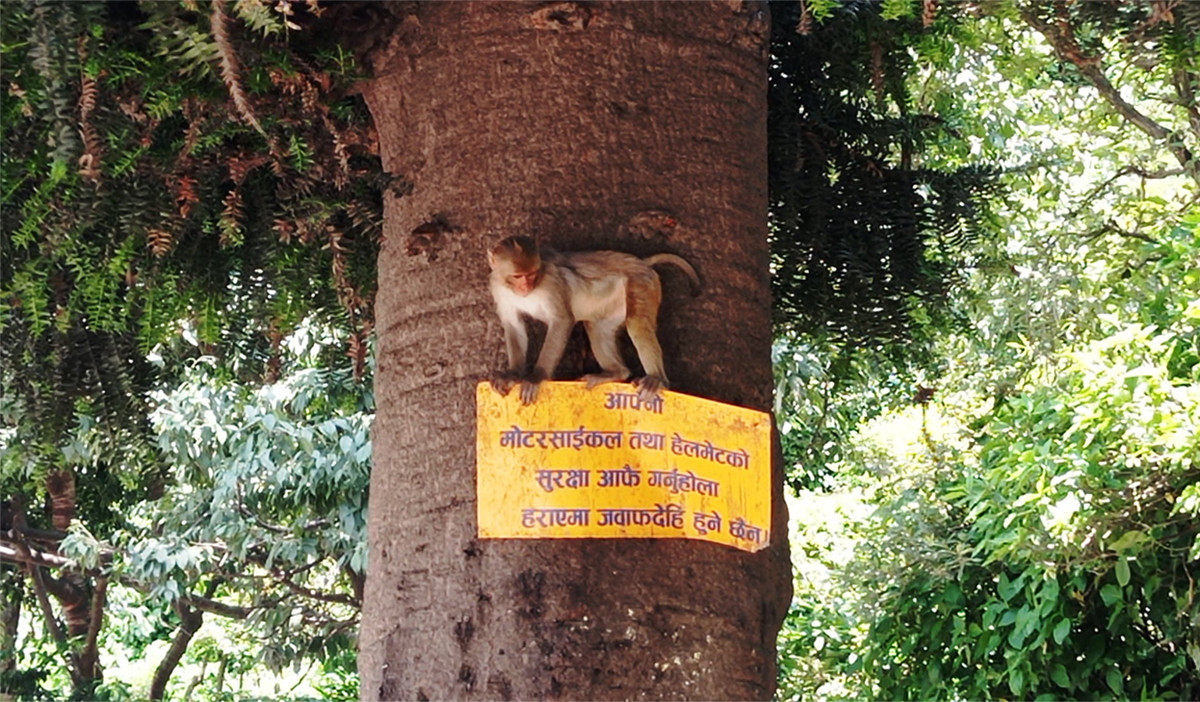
x=134 y=204
x=1034 y=527
x=185 y=182
x=824 y=392
x=1050 y=558
x=264 y=524
x=1074 y=532
x=274 y=506
x=987 y=332
x=820 y=644
x=874 y=229
x=868 y=239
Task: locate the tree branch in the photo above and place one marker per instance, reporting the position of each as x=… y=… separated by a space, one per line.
x=99 y=597
x=275 y=528
x=1187 y=97
x=89 y=655
x=1110 y=227
x=205 y=604
x=230 y=71
x=39 y=588
x=314 y=595
x=1061 y=36
x=44 y=535
x=1127 y=170
x=189 y=623
x=24 y=555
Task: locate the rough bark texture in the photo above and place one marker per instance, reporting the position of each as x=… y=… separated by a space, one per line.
x=631 y=126
x=60 y=486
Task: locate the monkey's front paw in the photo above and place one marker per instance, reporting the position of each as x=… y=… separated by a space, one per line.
x=503 y=382
x=529 y=390
x=650 y=388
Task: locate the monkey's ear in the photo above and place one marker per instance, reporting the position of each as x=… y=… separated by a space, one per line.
x=491 y=258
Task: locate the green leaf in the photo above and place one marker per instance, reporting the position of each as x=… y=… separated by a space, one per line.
x=1009 y=616
x=895 y=9
x=1128 y=541
x=1122 y=571
x=1059 y=675
x=1016 y=637
x=1008 y=588
x=953 y=595
x=1061 y=630
x=1016 y=682
x=1115 y=680
x=1111 y=594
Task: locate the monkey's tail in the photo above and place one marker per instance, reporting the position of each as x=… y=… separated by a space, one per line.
x=678 y=262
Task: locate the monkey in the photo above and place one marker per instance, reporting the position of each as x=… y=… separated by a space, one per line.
x=606 y=290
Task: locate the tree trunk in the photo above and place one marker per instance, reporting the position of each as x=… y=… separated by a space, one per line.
x=60 y=486
x=632 y=126
x=12 y=595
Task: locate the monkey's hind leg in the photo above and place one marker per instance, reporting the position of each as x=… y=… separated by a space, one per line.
x=643 y=297
x=603 y=338
x=645 y=340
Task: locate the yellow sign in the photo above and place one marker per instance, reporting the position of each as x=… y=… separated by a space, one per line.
x=599 y=463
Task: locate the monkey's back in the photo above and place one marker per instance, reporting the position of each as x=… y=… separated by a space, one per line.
x=599 y=265
x=603 y=278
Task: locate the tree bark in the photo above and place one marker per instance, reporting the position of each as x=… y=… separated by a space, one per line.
x=632 y=126
x=190 y=621
x=88 y=656
x=60 y=486
x=12 y=595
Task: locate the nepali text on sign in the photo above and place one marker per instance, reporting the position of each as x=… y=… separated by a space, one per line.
x=601 y=463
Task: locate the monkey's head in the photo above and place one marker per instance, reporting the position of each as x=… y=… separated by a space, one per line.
x=517 y=263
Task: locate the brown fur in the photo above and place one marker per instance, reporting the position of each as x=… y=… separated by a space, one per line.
x=606 y=290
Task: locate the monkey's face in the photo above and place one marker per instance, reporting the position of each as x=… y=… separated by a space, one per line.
x=523 y=283
x=517 y=262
